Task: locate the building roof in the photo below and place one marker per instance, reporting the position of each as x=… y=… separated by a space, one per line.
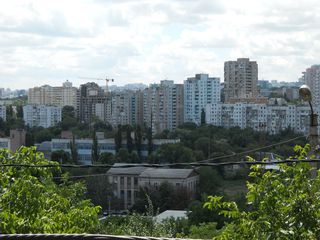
x=171 y=214
x=167 y=173
x=118 y=170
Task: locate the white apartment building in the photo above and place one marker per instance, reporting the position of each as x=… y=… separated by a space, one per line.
x=240 y=79
x=66 y=95
x=311 y=77
x=127 y=181
x=260 y=117
x=198 y=92
x=41 y=116
x=3 y=112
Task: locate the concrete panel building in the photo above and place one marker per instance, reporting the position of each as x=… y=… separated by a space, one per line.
x=163 y=106
x=65 y=95
x=240 y=79
x=92 y=100
x=41 y=116
x=260 y=117
x=198 y=92
x=311 y=77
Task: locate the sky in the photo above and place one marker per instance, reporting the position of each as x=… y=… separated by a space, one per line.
x=138 y=41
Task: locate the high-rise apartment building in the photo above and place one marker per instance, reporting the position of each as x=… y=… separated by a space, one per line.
x=240 y=79
x=311 y=77
x=271 y=118
x=198 y=92
x=92 y=100
x=41 y=116
x=66 y=95
x=163 y=106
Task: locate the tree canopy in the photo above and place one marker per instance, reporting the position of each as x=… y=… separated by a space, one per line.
x=283 y=204
x=32 y=202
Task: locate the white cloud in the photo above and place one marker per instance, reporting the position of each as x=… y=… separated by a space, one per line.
x=46 y=42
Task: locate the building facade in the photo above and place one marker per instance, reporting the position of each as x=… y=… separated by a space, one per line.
x=260 y=117
x=198 y=92
x=66 y=95
x=311 y=77
x=3 y=112
x=41 y=116
x=92 y=101
x=240 y=79
x=163 y=106
x=127 y=181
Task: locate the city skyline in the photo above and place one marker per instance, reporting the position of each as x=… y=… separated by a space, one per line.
x=47 y=42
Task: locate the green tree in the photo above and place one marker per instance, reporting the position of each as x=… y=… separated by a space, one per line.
x=130 y=146
x=123 y=155
x=203 y=231
x=118 y=138
x=60 y=156
x=106 y=158
x=203 y=117
x=174 y=153
x=150 y=143
x=74 y=150
x=31 y=202
x=95 y=148
x=138 y=139
x=284 y=204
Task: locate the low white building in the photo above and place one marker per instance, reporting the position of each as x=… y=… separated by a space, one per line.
x=41 y=116
x=127 y=181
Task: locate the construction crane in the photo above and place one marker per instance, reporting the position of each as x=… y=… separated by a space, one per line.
x=101 y=79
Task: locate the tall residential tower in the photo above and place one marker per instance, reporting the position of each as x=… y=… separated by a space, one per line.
x=240 y=79
x=198 y=92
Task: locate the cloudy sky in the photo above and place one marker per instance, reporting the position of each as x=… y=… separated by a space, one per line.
x=47 y=42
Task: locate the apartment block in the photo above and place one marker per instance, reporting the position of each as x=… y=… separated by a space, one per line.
x=92 y=100
x=163 y=106
x=240 y=79
x=198 y=92
x=260 y=117
x=311 y=77
x=41 y=116
x=125 y=107
x=66 y=95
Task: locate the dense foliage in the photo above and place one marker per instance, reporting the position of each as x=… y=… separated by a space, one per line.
x=31 y=202
x=284 y=204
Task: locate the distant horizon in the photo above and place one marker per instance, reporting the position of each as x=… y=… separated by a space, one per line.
x=134 y=83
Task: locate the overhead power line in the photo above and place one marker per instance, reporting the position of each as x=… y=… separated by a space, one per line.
x=169 y=165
